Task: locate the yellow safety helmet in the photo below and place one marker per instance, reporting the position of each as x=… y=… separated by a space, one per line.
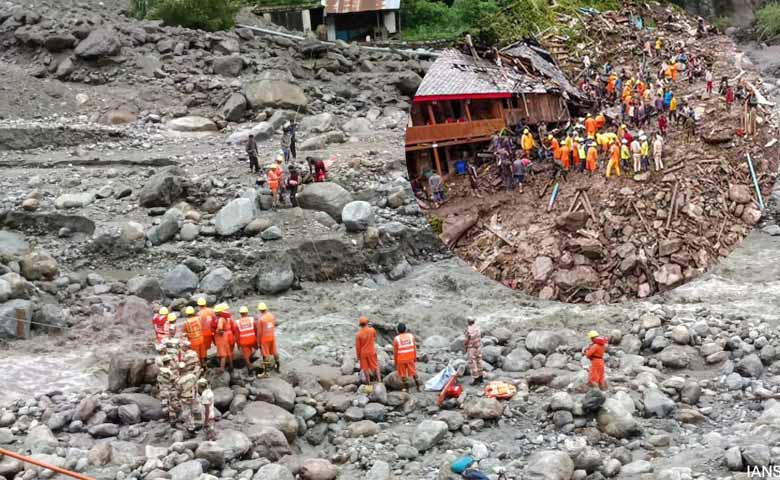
x=189 y=311
x=261 y=307
x=202 y=302
x=220 y=308
x=588 y=115
x=623 y=126
x=171 y=317
x=525 y=130
x=243 y=309
x=549 y=137
x=593 y=334
x=163 y=311
x=279 y=159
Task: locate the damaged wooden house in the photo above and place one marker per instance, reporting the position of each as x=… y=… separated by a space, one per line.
x=464 y=100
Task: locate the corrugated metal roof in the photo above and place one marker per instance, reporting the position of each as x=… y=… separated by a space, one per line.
x=353 y=6
x=454 y=73
x=539 y=60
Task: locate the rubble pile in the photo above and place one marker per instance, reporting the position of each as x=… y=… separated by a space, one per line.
x=638 y=235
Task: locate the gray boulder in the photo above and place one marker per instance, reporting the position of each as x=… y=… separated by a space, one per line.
x=318 y=469
x=179 y=281
x=750 y=366
x=282 y=392
x=145 y=287
x=379 y=471
x=320 y=123
x=12 y=243
x=273 y=471
x=8 y=315
x=74 y=200
x=164 y=231
x=484 y=408
x=616 y=420
x=268 y=442
x=99 y=43
x=428 y=433
x=275 y=94
x=327 y=197
x=50 y=314
x=276 y=275
x=39 y=265
x=228 y=66
x=268 y=415
x=234 y=108
x=261 y=131
x=129 y=414
x=235 y=444
x=357 y=216
x=543 y=341
x=40 y=439
x=657 y=404
x=187 y=471
x=162 y=189
x=217 y=280
x=212 y=453
x=234 y=216
x=191 y=124
x=358 y=126
x=549 y=465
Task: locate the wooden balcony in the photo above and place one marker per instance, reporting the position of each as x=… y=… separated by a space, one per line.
x=446 y=132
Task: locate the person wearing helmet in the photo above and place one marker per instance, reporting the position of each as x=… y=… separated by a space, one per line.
x=644 y=152
x=590 y=126
x=171 y=321
x=208 y=323
x=595 y=353
x=365 y=350
x=274 y=176
x=472 y=345
x=194 y=332
x=190 y=361
x=405 y=356
x=625 y=154
x=266 y=337
x=614 y=158
x=160 y=324
x=247 y=336
x=591 y=159
x=527 y=142
x=224 y=336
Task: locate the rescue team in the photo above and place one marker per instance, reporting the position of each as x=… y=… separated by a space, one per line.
x=183 y=353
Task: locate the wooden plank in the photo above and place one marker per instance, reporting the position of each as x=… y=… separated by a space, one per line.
x=499 y=235
x=20 y=321
x=574 y=204
x=642 y=219
x=671 y=205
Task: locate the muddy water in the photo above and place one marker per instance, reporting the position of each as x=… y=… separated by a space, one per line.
x=23 y=375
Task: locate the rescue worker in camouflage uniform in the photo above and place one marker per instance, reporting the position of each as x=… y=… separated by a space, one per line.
x=185 y=389
x=166 y=386
x=473 y=349
x=190 y=359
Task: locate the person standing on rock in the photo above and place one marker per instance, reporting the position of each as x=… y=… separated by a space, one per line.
x=185 y=391
x=171 y=326
x=207 y=402
x=293 y=180
x=166 y=386
x=287 y=135
x=472 y=345
x=190 y=362
x=365 y=350
x=405 y=356
x=595 y=353
x=194 y=332
x=208 y=323
x=160 y=324
x=266 y=337
x=658 y=148
x=247 y=337
x=224 y=332
x=251 y=151
x=274 y=176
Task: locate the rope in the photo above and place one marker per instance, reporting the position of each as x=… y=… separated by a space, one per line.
x=47 y=466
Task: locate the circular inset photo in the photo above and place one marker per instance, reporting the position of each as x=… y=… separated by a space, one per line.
x=586 y=174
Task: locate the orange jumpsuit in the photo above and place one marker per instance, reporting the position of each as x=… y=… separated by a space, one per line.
x=592 y=159
x=595 y=353
x=224 y=336
x=575 y=154
x=565 y=157
x=207 y=325
x=614 y=160
x=366 y=350
x=247 y=338
x=590 y=127
x=405 y=355
x=274 y=178
x=601 y=120
x=556 y=148
x=194 y=334
x=267 y=334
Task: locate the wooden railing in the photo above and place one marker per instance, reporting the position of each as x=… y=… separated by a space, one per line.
x=453 y=131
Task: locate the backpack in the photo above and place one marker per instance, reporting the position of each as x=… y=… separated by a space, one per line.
x=461 y=464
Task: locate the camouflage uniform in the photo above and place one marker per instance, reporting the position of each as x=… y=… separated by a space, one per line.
x=473 y=345
x=191 y=362
x=166 y=385
x=185 y=389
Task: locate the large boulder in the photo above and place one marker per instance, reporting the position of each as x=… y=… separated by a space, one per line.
x=227 y=66
x=9 y=313
x=99 y=43
x=327 y=197
x=318 y=469
x=74 y=200
x=145 y=287
x=235 y=215
x=179 y=281
x=235 y=444
x=133 y=312
x=217 y=280
x=549 y=465
x=273 y=471
x=616 y=420
x=261 y=131
x=212 y=453
x=187 y=471
x=358 y=126
x=39 y=265
x=275 y=94
x=282 y=392
x=428 y=433
x=40 y=439
x=543 y=341
x=164 y=231
x=407 y=82
x=320 y=123
x=191 y=124
x=268 y=415
x=484 y=408
x=657 y=404
x=357 y=216
x=12 y=243
x=150 y=407
x=275 y=275
x=234 y=108
x=162 y=189
x=268 y=442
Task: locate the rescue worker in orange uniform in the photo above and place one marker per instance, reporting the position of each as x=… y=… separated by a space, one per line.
x=160 y=324
x=601 y=120
x=595 y=353
x=366 y=351
x=208 y=323
x=194 y=332
x=565 y=156
x=405 y=356
x=575 y=154
x=614 y=159
x=224 y=335
x=527 y=142
x=266 y=336
x=274 y=176
x=555 y=147
x=592 y=158
x=247 y=336
x=590 y=126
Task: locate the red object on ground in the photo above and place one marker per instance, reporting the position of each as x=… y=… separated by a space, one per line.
x=452 y=382
x=453 y=391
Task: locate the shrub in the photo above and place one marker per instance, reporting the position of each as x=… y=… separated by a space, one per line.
x=208 y=15
x=768 y=22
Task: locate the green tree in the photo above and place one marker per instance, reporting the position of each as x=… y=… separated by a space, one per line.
x=210 y=15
